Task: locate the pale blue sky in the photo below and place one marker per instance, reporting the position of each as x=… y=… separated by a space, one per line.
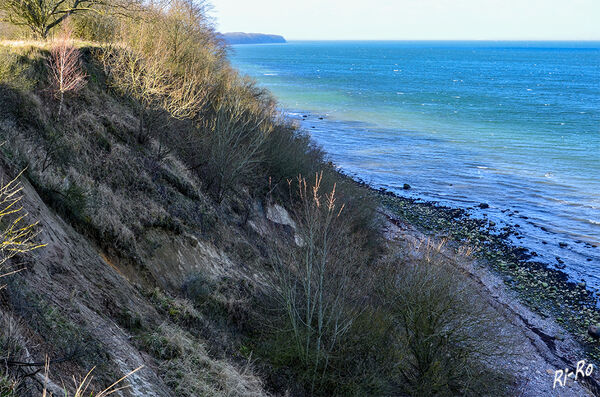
x=413 y=19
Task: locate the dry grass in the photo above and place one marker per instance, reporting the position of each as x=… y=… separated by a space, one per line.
x=12 y=341
x=24 y=43
x=13 y=72
x=88 y=169
x=41 y=44
x=188 y=369
x=82 y=387
x=17 y=235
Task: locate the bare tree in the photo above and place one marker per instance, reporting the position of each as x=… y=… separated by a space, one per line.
x=145 y=70
x=318 y=278
x=41 y=16
x=66 y=72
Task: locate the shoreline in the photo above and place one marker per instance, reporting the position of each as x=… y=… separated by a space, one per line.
x=550 y=295
x=546 y=291
x=544 y=345
x=557 y=248
x=535 y=299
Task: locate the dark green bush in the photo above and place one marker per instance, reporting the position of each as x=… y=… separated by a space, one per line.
x=448 y=335
x=199 y=288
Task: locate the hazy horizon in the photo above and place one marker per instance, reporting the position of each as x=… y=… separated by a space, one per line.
x=414 y=20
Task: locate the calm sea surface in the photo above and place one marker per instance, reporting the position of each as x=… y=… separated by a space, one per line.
x=515 y=125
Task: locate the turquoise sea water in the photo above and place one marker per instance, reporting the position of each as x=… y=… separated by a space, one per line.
x=515 y=125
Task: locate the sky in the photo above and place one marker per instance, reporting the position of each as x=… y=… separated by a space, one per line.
x=412 y=19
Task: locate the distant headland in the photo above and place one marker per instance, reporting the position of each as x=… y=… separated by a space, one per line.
x=252 y=38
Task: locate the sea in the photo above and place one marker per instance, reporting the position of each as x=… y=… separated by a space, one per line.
x=511 y=125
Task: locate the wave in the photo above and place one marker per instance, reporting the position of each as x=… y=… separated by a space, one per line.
x=573 y=203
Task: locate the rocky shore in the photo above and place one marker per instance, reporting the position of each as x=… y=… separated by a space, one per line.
x=548 y=291
x=552 y=312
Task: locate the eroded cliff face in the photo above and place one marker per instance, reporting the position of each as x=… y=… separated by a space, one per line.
x=90 y=296
x=125 y=236
x=73 y=281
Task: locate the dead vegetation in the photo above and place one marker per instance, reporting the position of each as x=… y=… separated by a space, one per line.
x=162 y=162
x=64 y=64
x=17 y=235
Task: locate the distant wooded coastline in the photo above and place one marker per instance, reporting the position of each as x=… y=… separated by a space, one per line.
x=252 y=38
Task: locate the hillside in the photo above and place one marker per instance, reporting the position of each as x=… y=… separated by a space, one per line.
x=158 y=213
x=149 y=262
x=252 y=38
x=124 y=233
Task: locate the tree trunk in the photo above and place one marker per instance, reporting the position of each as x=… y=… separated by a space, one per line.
x=60 y=103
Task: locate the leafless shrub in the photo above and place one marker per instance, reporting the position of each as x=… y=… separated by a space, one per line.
x=66 y=72
x=233 y=143
x=317 y=278
x=146 y=69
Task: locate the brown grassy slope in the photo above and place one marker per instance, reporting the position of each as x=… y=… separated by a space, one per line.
x=117 y=224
